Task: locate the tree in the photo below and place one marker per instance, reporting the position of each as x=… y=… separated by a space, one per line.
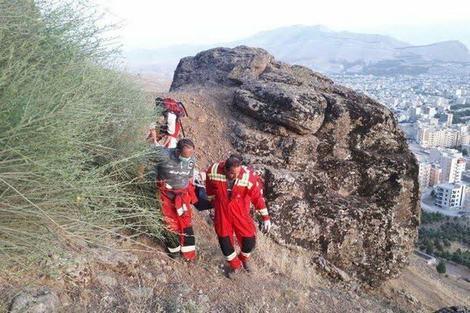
x=441 y=267
x=429 y=247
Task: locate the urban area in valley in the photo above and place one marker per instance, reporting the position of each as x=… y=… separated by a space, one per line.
x=434 y=113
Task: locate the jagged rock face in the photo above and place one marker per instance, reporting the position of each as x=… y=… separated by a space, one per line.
x=340 y=179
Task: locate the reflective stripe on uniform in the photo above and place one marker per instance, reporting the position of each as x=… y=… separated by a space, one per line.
x=214 y=169
x=231 y=256
x=216 y=176
x=188 y=248
x=210 y=198
x=180 y=211
x=246 y=255
x=263 y=212
x=245 y=180
x=174 y=250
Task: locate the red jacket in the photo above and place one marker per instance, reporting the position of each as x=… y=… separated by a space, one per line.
x=246 y=190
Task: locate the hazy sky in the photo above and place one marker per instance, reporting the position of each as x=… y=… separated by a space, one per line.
x=162 y=23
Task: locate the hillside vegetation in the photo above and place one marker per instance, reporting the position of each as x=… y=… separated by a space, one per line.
x=446 y=237
x=68 y=123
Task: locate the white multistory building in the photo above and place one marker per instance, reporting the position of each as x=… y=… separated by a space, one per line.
x=424 y=174
x=449 y=196
x=449 y=118
x=465 y=139
x=452 y=168
x=432 y=112
x=442 y=102
x=431 y=136
x=435 y=174
x=451 y=162
x=415 y=112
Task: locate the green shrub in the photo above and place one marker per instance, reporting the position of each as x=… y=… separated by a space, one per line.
x=69 y=120
x=431 y=217
x=441 y=267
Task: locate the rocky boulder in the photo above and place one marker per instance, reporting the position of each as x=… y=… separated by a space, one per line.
x=340 y=179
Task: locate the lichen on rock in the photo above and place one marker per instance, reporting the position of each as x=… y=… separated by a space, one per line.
x=340 y=179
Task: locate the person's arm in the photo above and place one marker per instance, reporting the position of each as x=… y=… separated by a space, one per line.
x=152 y=136
x=256 y=197
x=156 y=156
x=202 y=203
x=192 y=188
x=209 y=187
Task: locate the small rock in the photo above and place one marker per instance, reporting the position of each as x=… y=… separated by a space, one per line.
x=106 y=280
x=141 y=292
x=454 y=309
x=40 y=300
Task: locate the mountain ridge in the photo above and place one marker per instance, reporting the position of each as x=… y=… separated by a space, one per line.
x=323 y=50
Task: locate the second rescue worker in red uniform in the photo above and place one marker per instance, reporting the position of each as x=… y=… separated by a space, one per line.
x=232 y=188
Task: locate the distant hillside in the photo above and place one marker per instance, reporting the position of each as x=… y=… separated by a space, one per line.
x=446 y=51
x=323 y=49
x=326 y=51
x=161 y=62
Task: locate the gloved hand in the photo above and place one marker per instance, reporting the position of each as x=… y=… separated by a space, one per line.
x=266 y=227
x=183 y=209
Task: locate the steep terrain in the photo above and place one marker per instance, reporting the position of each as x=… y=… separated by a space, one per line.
x=339 y=235
x=136 y=276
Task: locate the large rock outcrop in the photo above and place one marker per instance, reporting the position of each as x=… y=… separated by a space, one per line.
x=340 y=179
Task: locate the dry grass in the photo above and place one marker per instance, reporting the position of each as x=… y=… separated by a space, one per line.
x=68 y=127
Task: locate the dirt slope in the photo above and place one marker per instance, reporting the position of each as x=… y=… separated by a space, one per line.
x=136 y=276
x=418 y=288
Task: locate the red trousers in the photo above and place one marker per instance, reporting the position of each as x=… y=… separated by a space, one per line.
x=181 y=235
x=234 y=220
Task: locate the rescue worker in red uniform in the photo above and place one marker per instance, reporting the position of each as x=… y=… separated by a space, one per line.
x=232 y=188
x=171 y=129
x=174 y=175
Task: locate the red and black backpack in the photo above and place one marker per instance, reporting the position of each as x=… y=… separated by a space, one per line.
x=171 y=105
